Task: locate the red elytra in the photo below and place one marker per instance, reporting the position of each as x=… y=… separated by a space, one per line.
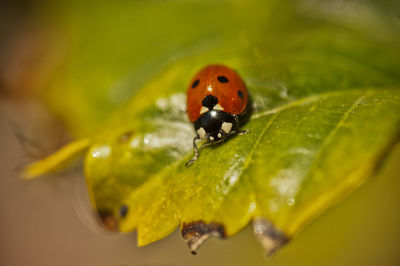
x=221 y=82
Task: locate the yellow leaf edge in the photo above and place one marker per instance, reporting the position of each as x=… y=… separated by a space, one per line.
x=58 y=160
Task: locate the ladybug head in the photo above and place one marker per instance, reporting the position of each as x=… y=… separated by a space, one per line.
x=216 y=125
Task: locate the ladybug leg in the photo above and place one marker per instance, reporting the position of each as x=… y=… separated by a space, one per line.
x=207 y=144
x=243 y=132
x=196 y=152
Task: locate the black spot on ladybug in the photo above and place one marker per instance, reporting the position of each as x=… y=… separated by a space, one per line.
x=240 y=94
x=209 y=101
x=196 y=233
x=123 y=211
x=195 y=83
x=223 y=79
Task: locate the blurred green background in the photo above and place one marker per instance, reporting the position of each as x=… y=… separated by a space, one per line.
x=83 y=60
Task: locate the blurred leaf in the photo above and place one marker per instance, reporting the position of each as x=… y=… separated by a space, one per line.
x=326 y=112
x=58 y=160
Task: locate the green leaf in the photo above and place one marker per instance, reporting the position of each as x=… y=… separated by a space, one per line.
x=325 y=114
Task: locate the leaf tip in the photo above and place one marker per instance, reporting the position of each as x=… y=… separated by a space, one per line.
x=196 y=233
x=28 y=172
x=56 y=161
x=270 y=237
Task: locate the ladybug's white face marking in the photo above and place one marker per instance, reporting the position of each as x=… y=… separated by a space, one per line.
x=201 y=132
x=219 y=135
x=226 y=127
x=211 y=138
x=218 y=107
x=203 y=110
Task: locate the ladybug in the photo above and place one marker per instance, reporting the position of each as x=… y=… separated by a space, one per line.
x=216 y=99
